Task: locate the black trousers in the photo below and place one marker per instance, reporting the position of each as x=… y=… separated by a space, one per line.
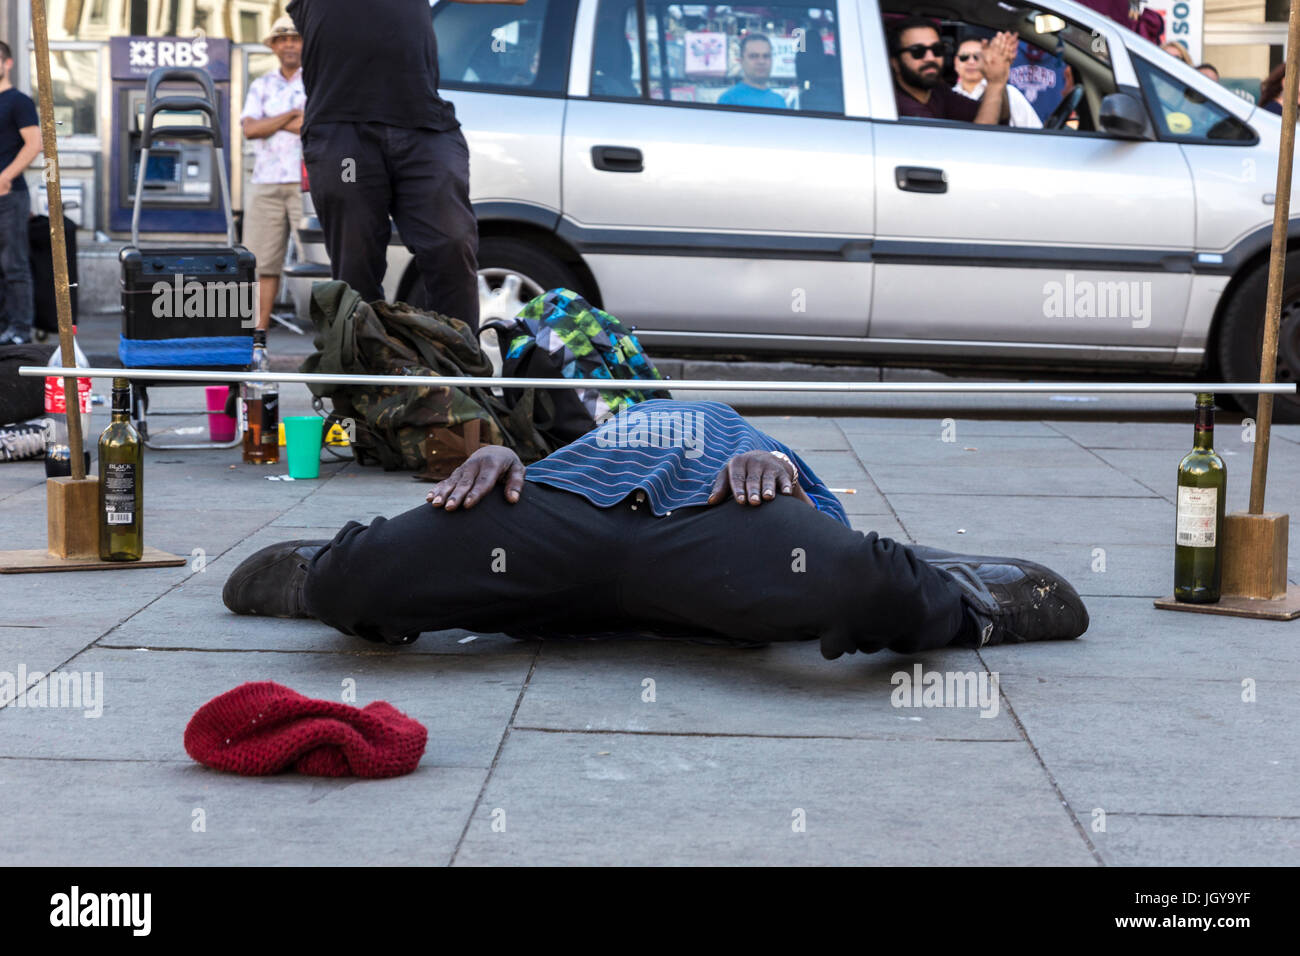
x=361 y=173
x=554 y=561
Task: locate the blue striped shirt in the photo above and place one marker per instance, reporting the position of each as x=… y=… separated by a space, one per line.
x=672 y=451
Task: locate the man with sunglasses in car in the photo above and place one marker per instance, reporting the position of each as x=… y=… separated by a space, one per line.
x=916 y=57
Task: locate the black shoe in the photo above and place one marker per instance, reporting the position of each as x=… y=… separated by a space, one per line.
x=270 y=582
x=1012 y=600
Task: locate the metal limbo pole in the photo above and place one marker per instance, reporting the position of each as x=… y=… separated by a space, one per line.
x=1276 y=261
x=58 y=241
x=198 y=376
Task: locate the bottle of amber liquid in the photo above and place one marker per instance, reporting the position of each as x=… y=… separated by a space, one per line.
x=121 y=482
x=1198 y=533
x=260 y=410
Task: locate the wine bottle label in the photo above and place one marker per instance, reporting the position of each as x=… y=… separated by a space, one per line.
x=119 y=492
x=1197 y=511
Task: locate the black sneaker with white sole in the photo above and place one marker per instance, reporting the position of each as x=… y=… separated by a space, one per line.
x=1012 y=600
x=270 y=582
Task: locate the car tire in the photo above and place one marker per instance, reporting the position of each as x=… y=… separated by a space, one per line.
x=498 y=257
x=1241 y=337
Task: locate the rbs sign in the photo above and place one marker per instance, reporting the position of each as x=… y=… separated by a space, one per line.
x=137 y=57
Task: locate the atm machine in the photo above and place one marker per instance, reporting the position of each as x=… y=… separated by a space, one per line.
x=182 y=194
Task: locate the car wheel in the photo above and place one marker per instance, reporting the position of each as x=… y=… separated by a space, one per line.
x=511 y=273
x=1241 y=338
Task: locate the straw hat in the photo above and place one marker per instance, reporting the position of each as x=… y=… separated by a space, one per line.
x=282 y=27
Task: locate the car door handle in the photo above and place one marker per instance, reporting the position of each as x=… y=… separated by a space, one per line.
x=920 y=179
x=617 y=159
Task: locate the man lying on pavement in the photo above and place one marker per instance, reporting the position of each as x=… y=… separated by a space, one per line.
x=676 y=519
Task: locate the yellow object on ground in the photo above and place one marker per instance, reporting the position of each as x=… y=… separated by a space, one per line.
x=336 y=436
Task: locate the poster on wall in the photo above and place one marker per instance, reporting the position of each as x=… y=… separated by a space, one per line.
x=784 y=50
x=706 y=53
x=1184 y=23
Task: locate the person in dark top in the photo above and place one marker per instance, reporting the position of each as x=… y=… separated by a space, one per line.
x=20 y=143
x=671 y=520
x=1270 y=91
x=916 y=57
x=378 y=140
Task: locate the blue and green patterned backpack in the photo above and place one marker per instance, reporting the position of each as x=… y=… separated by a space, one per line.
x=560 y=335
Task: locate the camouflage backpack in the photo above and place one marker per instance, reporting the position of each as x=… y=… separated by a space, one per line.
x=559 y=335
x=427 y=428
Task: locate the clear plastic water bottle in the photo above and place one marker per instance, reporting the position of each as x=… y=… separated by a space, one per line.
x=259 y=410
x=58 y=453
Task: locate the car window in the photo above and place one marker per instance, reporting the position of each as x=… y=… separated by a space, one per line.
x=512 y=48
x=1062 y=70
x=1185 y=115
x=784 y=58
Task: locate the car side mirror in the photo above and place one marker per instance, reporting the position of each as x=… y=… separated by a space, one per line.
x=1124 y=116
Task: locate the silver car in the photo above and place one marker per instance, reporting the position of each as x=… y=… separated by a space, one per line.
x=614 y=152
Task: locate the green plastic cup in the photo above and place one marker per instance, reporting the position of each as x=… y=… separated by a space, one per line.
x=302 y=440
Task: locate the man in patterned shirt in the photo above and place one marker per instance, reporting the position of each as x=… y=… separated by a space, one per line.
x=272 y=119
x=673 y=519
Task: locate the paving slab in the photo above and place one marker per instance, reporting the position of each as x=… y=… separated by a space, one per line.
x=127 y=813
x=324 y=510
x=192 y=616
x=32 y=649
x=783 y=690
x=985 y=476
x=628 y=799
x=865 y=499
x=1159 y=473
x=1143 y=716
x=149 y=696
x=1191 y=841
x=1121 y=434
x=993 y=454
x=95 y=599
x=1128 y=639
x=884 y=525
x=933 y=426
x=835 y=467
x=804 y=432
x=1036 y=520
x=1164 y=745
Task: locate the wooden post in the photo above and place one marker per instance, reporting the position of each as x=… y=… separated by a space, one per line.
x=72 y=520
x=58 y=241
x=1255 y=543
x=1276 y=262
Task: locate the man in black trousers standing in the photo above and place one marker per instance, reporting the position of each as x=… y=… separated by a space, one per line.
x=378 y=140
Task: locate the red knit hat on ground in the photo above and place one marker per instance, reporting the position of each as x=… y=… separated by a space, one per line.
x=263 y=728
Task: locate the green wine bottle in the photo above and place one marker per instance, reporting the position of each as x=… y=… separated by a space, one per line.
x=1198 y=533
x=121 y=482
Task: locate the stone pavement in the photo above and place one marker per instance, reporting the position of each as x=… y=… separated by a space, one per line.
x=1131 y=746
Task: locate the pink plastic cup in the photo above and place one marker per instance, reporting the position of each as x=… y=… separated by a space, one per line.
x=221 y=427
